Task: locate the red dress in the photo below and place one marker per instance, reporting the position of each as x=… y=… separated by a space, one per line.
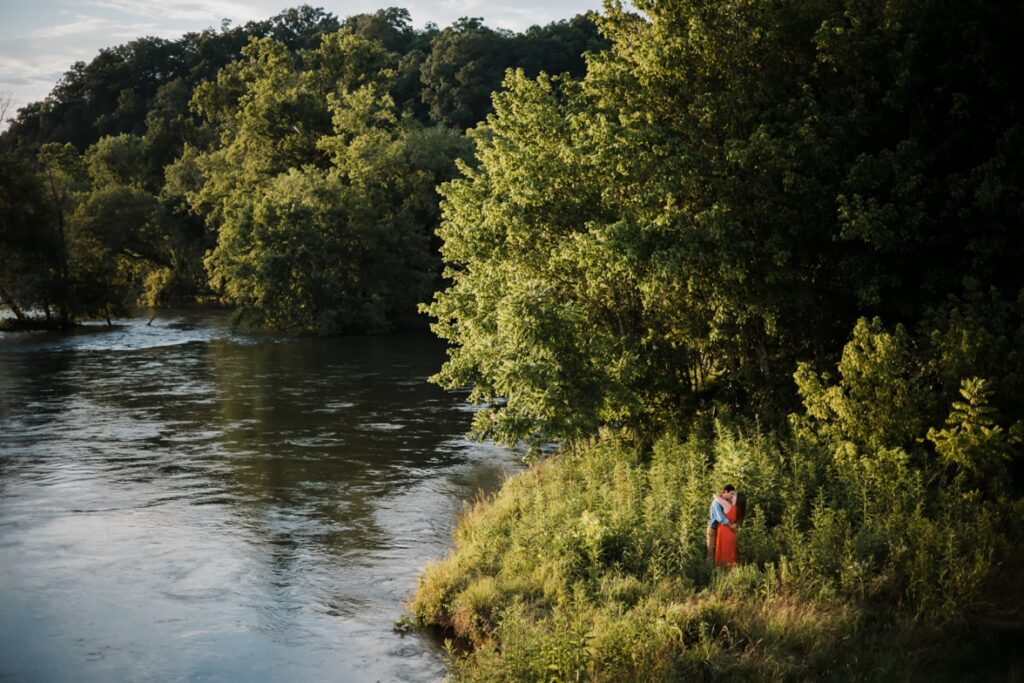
x=725 y=548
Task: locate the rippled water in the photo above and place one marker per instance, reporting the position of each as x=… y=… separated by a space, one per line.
x=181 y=503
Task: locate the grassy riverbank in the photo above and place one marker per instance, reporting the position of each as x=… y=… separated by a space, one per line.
x=590 y=566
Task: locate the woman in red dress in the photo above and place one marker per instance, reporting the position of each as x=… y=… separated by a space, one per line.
x=725 y=548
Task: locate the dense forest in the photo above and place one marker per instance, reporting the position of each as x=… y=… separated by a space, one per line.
x=687 y=244
x=286 y=167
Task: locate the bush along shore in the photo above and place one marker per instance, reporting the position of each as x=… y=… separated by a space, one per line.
x=591 y=566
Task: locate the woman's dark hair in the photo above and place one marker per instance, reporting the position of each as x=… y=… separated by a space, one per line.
x=741 y=507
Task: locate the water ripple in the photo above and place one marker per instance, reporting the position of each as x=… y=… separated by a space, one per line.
x=178 y=501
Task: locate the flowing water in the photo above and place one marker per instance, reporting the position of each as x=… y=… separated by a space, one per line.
x=178 y=502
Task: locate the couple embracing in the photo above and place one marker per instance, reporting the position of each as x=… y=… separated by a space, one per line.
x=727 y=510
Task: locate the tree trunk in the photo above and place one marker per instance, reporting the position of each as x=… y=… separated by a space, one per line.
x=762 y=360
x=59 y=201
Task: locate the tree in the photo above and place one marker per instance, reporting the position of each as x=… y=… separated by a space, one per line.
x=539 y=303
x=729 y=188
x=28 y=266
x=320 y=191
x=467 y=62
x=559 y=47
x=391 y=28
x=64 y=177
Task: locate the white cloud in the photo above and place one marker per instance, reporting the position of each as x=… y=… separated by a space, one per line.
x=212 y=11
x=95 y=26
x=31 y=78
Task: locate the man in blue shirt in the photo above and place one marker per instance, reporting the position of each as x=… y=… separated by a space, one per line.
x=716 y=516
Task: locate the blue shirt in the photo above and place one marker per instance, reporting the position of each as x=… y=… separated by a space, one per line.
x=716 y=515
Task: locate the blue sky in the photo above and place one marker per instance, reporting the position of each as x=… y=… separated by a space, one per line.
x=40 y=39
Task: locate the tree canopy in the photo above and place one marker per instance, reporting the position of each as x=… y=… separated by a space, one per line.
x=727 y=190
x=286 y=166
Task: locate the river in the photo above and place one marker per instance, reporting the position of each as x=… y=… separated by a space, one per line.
x=179 y=502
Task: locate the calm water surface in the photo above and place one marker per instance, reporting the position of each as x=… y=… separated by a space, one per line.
x=181 y=503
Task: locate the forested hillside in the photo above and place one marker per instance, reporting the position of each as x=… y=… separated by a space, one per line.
x=286 y=167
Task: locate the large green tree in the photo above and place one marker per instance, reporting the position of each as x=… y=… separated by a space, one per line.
x=466 y=63
x=727 y=190
x=320 y=191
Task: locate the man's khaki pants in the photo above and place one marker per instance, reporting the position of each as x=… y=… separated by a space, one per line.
x=712 y=542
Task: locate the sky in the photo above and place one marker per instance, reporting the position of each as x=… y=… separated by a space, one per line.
x=41 y=39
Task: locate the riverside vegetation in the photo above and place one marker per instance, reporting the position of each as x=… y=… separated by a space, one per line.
x=770 y=244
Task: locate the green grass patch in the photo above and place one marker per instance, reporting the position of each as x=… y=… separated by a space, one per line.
x=591 y=566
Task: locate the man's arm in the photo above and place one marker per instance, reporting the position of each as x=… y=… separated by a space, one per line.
x=718 y=514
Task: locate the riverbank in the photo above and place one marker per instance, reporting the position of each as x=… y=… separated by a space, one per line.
x=37 y=322
x=590 y=566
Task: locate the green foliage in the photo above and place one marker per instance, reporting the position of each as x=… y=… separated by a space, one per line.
x=725 y=193
x=29 y=269
x=543 y=307
x=86 y=235
x=592 y=566
x=972 y=443
x=117 y=160
x=886 y=512
x=64 y=177
x=978 y=334
x=179 y=137
x=312 y=253
x=136 y=88
x=465 y=65
x=321 y=193
x=877 y=401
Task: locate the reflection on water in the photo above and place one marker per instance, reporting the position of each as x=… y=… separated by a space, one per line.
x=177 y=502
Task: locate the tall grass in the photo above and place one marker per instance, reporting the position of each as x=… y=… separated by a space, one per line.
x=591 y=566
